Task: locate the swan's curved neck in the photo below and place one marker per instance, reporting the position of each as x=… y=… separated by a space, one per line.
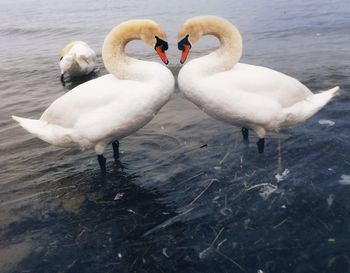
x=230 y=50
x=114 y=58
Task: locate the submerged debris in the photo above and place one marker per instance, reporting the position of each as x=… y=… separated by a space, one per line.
x=168 y=222
x=164 y=253
x=223 y=159
x=257 y=186
x=345 y=179
x=282 y=176
x=267 y=190
x=246 y=223
x=330 y=199
x=281 y=223
x=326 y=122
x=219 y=244
x=205 y=253
x=226 y=211
x=202 y=192
x=118 y=196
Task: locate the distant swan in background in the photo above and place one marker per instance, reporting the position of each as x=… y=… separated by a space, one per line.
x=76 y=59
x=104 y=110
x=249 y=96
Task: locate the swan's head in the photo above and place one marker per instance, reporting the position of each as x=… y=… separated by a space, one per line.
x=194 y=28
x=152 y=34
x=188 y=35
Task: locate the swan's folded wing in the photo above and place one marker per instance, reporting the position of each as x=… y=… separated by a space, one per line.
x=82 y=49
x=240 y=107
x=89 y=97
x=262 y=81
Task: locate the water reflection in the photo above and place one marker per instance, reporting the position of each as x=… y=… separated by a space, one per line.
x=79 y=219
x=70 y=83
x=214 y=216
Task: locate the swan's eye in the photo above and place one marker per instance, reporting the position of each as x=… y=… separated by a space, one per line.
x=161 y=43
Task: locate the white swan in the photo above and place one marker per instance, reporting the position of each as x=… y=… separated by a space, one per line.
x=245 y=95
x=76 y=59
x=104 y=110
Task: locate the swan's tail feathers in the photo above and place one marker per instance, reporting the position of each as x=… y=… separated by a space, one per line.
x=305 y=109
x=321 y=99
x=33 y=126
x=53 y=134
x=329 y=93
x=333 y=90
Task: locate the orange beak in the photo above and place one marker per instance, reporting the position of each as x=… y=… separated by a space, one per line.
x=162 y=54
x=185 y=51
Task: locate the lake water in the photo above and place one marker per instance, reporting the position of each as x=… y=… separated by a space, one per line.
x=190 y=196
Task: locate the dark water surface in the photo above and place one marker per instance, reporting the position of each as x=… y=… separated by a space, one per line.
x=191 y=197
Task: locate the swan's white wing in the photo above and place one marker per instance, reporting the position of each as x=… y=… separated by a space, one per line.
x=84 y=56
x=261 y=81
x=81 y=48
x=80 y=59
x=234 y=106
x=104 y=103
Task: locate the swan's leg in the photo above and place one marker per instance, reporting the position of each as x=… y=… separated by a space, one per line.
x=115 y=146
x=62 y=80
x=99 y=149
x=279 y=166
x=261 y=132
x=102 y=161
x=261 y=145
x=245 y=134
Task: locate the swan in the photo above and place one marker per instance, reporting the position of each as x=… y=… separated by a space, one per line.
x=104 y=110
x=253 y=97
x=76 y=59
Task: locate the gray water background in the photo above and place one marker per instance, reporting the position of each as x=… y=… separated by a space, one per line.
x=182 y=208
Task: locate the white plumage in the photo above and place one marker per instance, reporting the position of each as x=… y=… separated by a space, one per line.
x=106 y=109
x=240 y=94
x=77 y=59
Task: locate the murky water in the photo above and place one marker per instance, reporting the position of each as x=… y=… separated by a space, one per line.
x=187 y=194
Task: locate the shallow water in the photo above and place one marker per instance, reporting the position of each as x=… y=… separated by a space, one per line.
x=190 y=196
